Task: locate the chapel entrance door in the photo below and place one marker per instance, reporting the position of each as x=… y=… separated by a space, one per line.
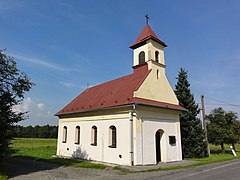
x=158 y=136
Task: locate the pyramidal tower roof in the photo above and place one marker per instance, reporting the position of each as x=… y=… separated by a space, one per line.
x=146 y=34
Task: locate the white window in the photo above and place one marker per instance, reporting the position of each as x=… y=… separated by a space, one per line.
x=77 y=135
x=64 y=137
x=112 y=137
x=94 y=136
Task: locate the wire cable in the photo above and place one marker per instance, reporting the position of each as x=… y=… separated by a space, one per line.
x=224 y=103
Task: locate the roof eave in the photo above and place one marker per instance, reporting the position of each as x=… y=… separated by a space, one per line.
x=98 y=109
x=158 y=106
x=122 y=106
x=141 y=43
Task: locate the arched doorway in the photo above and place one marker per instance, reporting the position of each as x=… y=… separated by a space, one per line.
x=158 y=136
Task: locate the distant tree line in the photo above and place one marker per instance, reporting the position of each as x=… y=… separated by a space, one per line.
x=35 y=132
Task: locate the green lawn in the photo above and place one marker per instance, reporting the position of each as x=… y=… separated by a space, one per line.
x=45 y=149
x=2 y=176
x=215 y=156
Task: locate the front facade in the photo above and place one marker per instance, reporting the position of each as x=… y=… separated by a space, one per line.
x=133 y=120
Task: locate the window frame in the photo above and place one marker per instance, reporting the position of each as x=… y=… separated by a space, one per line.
x=157 y=56
x=112 y=137
x=141 y=58
x=77 y=135
x=94 y=135
x=172 y=140
x=64 y=134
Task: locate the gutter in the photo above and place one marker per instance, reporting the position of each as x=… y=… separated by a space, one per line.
x=98 y=109
x=131 y=134
x=163 y=107
x=120 y=106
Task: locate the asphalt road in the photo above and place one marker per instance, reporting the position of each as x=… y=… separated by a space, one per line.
x=229 y=170
x=29 y=169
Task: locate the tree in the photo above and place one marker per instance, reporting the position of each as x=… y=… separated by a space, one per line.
x=35 y=132
x=192 y=134
x=13 y=85
x=223 y=127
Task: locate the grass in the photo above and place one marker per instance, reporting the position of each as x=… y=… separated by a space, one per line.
x=216 y=156
x=45 y=150
x=3 y=176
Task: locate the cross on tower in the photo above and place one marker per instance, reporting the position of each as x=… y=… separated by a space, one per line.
x=147 y=18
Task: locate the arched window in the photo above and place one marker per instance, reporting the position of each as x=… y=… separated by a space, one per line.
x=141 y=57
x=94 y=136
x=77 y=135
x=64 y=137
x=157 y=56
x=112 y=137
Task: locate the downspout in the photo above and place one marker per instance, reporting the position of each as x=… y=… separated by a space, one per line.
x=131 y=134
x=142 y=138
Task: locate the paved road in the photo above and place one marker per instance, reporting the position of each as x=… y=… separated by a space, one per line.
x=221 y=171
x=29 y=169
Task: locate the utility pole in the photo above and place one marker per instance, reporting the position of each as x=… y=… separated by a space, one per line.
x=204 y=123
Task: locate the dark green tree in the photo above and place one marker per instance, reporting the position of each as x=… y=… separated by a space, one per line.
x=192 y=134
x=35 y=132
x=13 y=85
x=223 y=127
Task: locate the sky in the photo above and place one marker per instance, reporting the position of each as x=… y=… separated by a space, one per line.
x=65 y=46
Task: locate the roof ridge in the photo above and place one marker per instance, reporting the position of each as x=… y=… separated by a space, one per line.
x=108 y=94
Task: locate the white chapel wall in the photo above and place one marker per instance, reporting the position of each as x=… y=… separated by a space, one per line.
x=149 y=121
x=101 y=152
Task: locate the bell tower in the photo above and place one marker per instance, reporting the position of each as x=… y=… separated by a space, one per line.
x=148 y=48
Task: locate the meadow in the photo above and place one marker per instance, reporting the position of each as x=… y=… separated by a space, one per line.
x=45 y=149
x=41 y=149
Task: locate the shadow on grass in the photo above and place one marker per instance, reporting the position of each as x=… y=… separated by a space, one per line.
x=16 y=166
x=219 y=151
x=22 y=165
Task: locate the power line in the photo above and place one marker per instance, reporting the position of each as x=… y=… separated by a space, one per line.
x=224 y=103
x=210 y=104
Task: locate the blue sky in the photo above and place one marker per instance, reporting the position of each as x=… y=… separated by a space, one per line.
x=65 y=45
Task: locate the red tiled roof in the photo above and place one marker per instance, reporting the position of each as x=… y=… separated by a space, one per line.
x=114 y=93
x=145 y=35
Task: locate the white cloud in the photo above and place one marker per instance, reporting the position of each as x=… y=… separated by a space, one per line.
x=40 y=106
x=24 y=106
x=38 y=113
x=67 y=84
x=42 y=63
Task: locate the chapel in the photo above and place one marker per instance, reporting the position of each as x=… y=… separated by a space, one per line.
x=132 y=120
